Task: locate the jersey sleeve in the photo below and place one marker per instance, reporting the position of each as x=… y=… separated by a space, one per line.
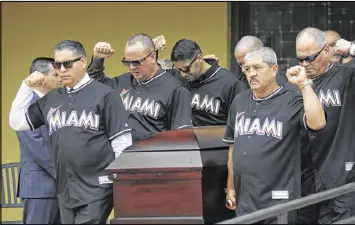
x=297 y=111
x=34 y=115
x=115 y=115
x=96 y=70
x=349 y=70
x=299 y=114
x=230 y=127
x=234 y=91
x=180 y=111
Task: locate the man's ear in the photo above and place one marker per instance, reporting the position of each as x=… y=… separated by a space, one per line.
x=84 y=61
x=275 y=69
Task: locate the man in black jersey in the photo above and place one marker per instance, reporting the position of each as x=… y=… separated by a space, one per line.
x=307 y=214
x=87 y=129
x=263 y=128
x=333 y=147
x=212 y=87
x=155 y=100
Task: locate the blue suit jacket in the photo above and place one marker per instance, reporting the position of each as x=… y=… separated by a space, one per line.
x=37 y=168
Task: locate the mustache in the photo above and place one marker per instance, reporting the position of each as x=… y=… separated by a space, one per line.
x=253 y=79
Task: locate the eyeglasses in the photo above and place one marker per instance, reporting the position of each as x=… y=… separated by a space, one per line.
x=67 y=64
x=310 y=58
x=135 y=63
x=188 y=68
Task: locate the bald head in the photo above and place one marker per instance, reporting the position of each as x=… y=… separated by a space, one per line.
x=311 y=35
x=245 y=45
x=141 y=40
x=312 y=51
x=248 y=43
x=332 y=35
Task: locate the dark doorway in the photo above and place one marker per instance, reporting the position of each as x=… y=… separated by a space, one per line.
x=277 y=24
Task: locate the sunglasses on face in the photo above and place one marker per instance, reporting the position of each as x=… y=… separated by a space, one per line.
x=134 y=63
x=188 y=68
x=310 y=58
x=67 y=64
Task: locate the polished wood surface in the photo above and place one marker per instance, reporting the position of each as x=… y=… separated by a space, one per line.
x=174 y=177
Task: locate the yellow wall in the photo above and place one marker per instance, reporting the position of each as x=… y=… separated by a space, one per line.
x=32 y=29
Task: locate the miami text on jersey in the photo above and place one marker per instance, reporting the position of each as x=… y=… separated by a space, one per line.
x=331 y=98
x=211 y=105
x=57 y=120
x=247 y=126
x=142 y=106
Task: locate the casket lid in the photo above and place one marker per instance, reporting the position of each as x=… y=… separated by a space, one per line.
x=196 y=138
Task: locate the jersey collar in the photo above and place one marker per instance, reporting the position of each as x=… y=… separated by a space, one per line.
x=269 y=96
x=208 y=74
x=82 y=83
x=159 y=72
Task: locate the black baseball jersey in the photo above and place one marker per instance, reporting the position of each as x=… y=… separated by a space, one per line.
x=212 y=94
x=266 y=155
x=81 y=124
x=159 y=104
x=333 y=147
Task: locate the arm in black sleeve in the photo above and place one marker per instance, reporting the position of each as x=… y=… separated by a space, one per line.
x=34 y=115
x=180 y=111
x=115 y=115
x=96 y=71
x=230 y=127
x=234 y=91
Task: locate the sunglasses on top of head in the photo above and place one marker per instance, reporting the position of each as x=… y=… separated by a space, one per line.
x=310 y=58
x=67 y=64
x=135 y=63
x=187 y=68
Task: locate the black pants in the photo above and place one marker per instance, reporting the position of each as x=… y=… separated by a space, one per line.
x=41 y=211
x=94 y=213
x=308 y=214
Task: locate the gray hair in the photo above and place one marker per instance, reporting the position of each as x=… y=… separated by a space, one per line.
x=268 y=55
x=314 y=33
x=249 y=42
x=146 y=41
x=42 y=64
x=74 y=46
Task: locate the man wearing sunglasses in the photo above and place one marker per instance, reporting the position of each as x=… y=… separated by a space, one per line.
x=87 y=129
x=333 y=147
x=156 y=100
x=212 y=87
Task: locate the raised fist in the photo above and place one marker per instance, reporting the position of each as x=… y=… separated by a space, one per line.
x=342 y=47
x=159 y=42
x=296 y=75
x=35 y=79
x=103 y=50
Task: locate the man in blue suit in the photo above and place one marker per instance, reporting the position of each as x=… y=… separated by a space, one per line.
x=37 y=171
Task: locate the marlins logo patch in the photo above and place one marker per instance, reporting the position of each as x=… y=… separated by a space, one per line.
x=124 y=92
